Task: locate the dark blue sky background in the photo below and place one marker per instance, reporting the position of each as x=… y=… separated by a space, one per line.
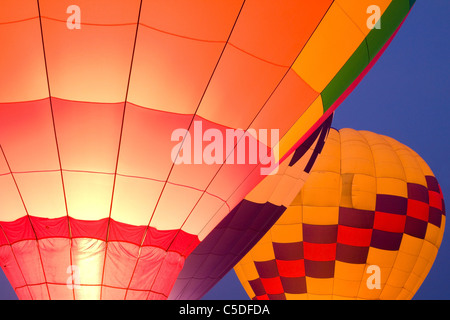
x=405 y=96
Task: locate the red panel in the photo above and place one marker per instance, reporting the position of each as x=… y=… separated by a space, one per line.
x=272 y=285
x=435 y=199
x=354 y=236
x=319 y=252
x=389 y=222
x=294 y=268
x=418 y=209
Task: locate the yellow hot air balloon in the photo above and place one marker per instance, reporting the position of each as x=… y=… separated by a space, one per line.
x=367 y=224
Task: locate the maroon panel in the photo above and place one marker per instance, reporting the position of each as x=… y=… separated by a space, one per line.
x=320 y=233
x=417 y=192
x=391 y=204
x=257 y=287
x=267 y=269
x=288 y=251
x=386 y=240
x=432 y=183
x=319 y=269
x=435 y=216
x=416 y=227
x=351 y=254
x=294 y=285
x=356 y=218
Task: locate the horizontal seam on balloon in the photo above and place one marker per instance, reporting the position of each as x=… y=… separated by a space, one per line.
x=121 y=175
x=158 y=30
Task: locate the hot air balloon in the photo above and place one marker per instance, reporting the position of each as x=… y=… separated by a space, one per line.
x=217 y=253
x=367 y=224
x=105 y=108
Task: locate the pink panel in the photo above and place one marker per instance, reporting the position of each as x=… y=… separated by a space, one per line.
x=88 y=134
x=146 y=142
x=27 y=136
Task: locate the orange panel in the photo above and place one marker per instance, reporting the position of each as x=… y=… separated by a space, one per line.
x=239 y=88
x=275 y=31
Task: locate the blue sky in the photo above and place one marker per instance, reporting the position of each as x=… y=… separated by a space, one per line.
x=405 y=96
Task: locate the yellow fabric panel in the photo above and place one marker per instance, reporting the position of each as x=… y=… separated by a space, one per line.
x=337 y=297
x=428 y=252
x=404 y=294
x=356 y=155
x=319 y=286
x=292 y=215
x=397 y=277
x=293 y=296
x=264 y=250
x=366 y=293
x=420 y=267
x=321 y=216
x=322 y=189
x=346 y=288
x=329 y=48
x=411 y=166
x=287 y=233
x=301 y=126
x=349 y=271
x=433 y=234
x=320 y=296
x=412 y=282
x=357 y=11
x=387 y=163
x=395 y=187
x=381 y=258
x=389 y=292
x=248 y=270
x=411 y=245
x=364 y=192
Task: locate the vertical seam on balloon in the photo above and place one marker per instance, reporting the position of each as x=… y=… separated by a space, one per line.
x=17 y=262
x=118 y=149
x=29 y=220
x=181 y=145
x=57 y=144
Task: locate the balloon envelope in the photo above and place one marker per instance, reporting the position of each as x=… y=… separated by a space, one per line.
x=92 y=204
x=367 y=224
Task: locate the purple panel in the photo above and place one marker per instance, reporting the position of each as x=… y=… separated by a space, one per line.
x=386 y=240
x=294 y=285
x=417 y=192
x=432 y=183
x=391 y=204
x=288 y=251
x=435 y=217
x=267 y=269
x=416 y=227
x=320 y=233
x=356 y=218
x=319 y=269
x=351 y=254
